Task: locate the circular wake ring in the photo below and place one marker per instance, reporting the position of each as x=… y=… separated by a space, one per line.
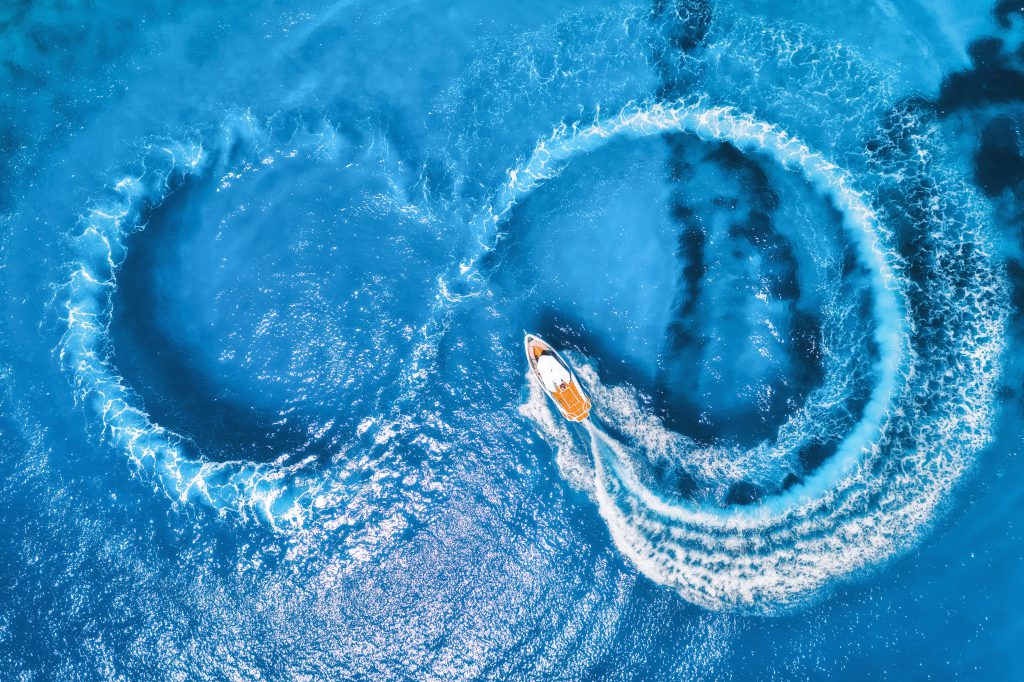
x=891 y=472
x=283 y=495
x=860 y=220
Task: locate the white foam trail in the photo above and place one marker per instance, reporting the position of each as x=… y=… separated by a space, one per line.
x=574 y=465
x=284 y=496
x=894 y=468
x=743 y=131
x=874 y=498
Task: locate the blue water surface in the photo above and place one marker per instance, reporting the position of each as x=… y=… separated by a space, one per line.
x=266 y=270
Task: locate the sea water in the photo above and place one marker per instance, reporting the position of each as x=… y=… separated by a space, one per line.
x=266 y=273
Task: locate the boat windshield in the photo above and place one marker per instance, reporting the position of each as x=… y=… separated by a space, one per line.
x=552 y=373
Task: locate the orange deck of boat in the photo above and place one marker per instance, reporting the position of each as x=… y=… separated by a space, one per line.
x=572 y=400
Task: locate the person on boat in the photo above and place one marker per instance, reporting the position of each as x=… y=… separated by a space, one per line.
x=553 y=374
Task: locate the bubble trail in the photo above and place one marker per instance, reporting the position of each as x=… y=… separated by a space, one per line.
x=874 y=498
x=746 y=133
x=285 y=497
x=893 y=470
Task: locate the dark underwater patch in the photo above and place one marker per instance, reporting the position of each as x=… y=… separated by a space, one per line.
x=744 y=493
x=812 y=456
x=1015 y=272
x=744 y=212
x=790 y=480
x=805 y=331
x=999 y=161
x=1004 y=9
x=995 y=77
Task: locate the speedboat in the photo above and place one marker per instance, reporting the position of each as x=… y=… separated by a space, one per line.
x=557 y=380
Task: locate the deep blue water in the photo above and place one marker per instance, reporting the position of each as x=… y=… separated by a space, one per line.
x=266 y=269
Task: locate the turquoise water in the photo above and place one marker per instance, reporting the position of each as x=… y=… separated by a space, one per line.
x=267 y=271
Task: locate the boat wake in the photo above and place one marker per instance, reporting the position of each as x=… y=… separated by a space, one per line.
x=928 y=413
x=903 y=406
x=286 y=494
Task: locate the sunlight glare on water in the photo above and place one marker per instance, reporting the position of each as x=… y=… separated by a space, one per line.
x=266 y=413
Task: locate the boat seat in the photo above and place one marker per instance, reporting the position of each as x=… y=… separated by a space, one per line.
x=572 y=400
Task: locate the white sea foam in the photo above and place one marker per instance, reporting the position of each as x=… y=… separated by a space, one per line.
x=928 y=413
x=284 y=496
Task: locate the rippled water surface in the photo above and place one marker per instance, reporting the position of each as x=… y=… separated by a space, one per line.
x=266 y=270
